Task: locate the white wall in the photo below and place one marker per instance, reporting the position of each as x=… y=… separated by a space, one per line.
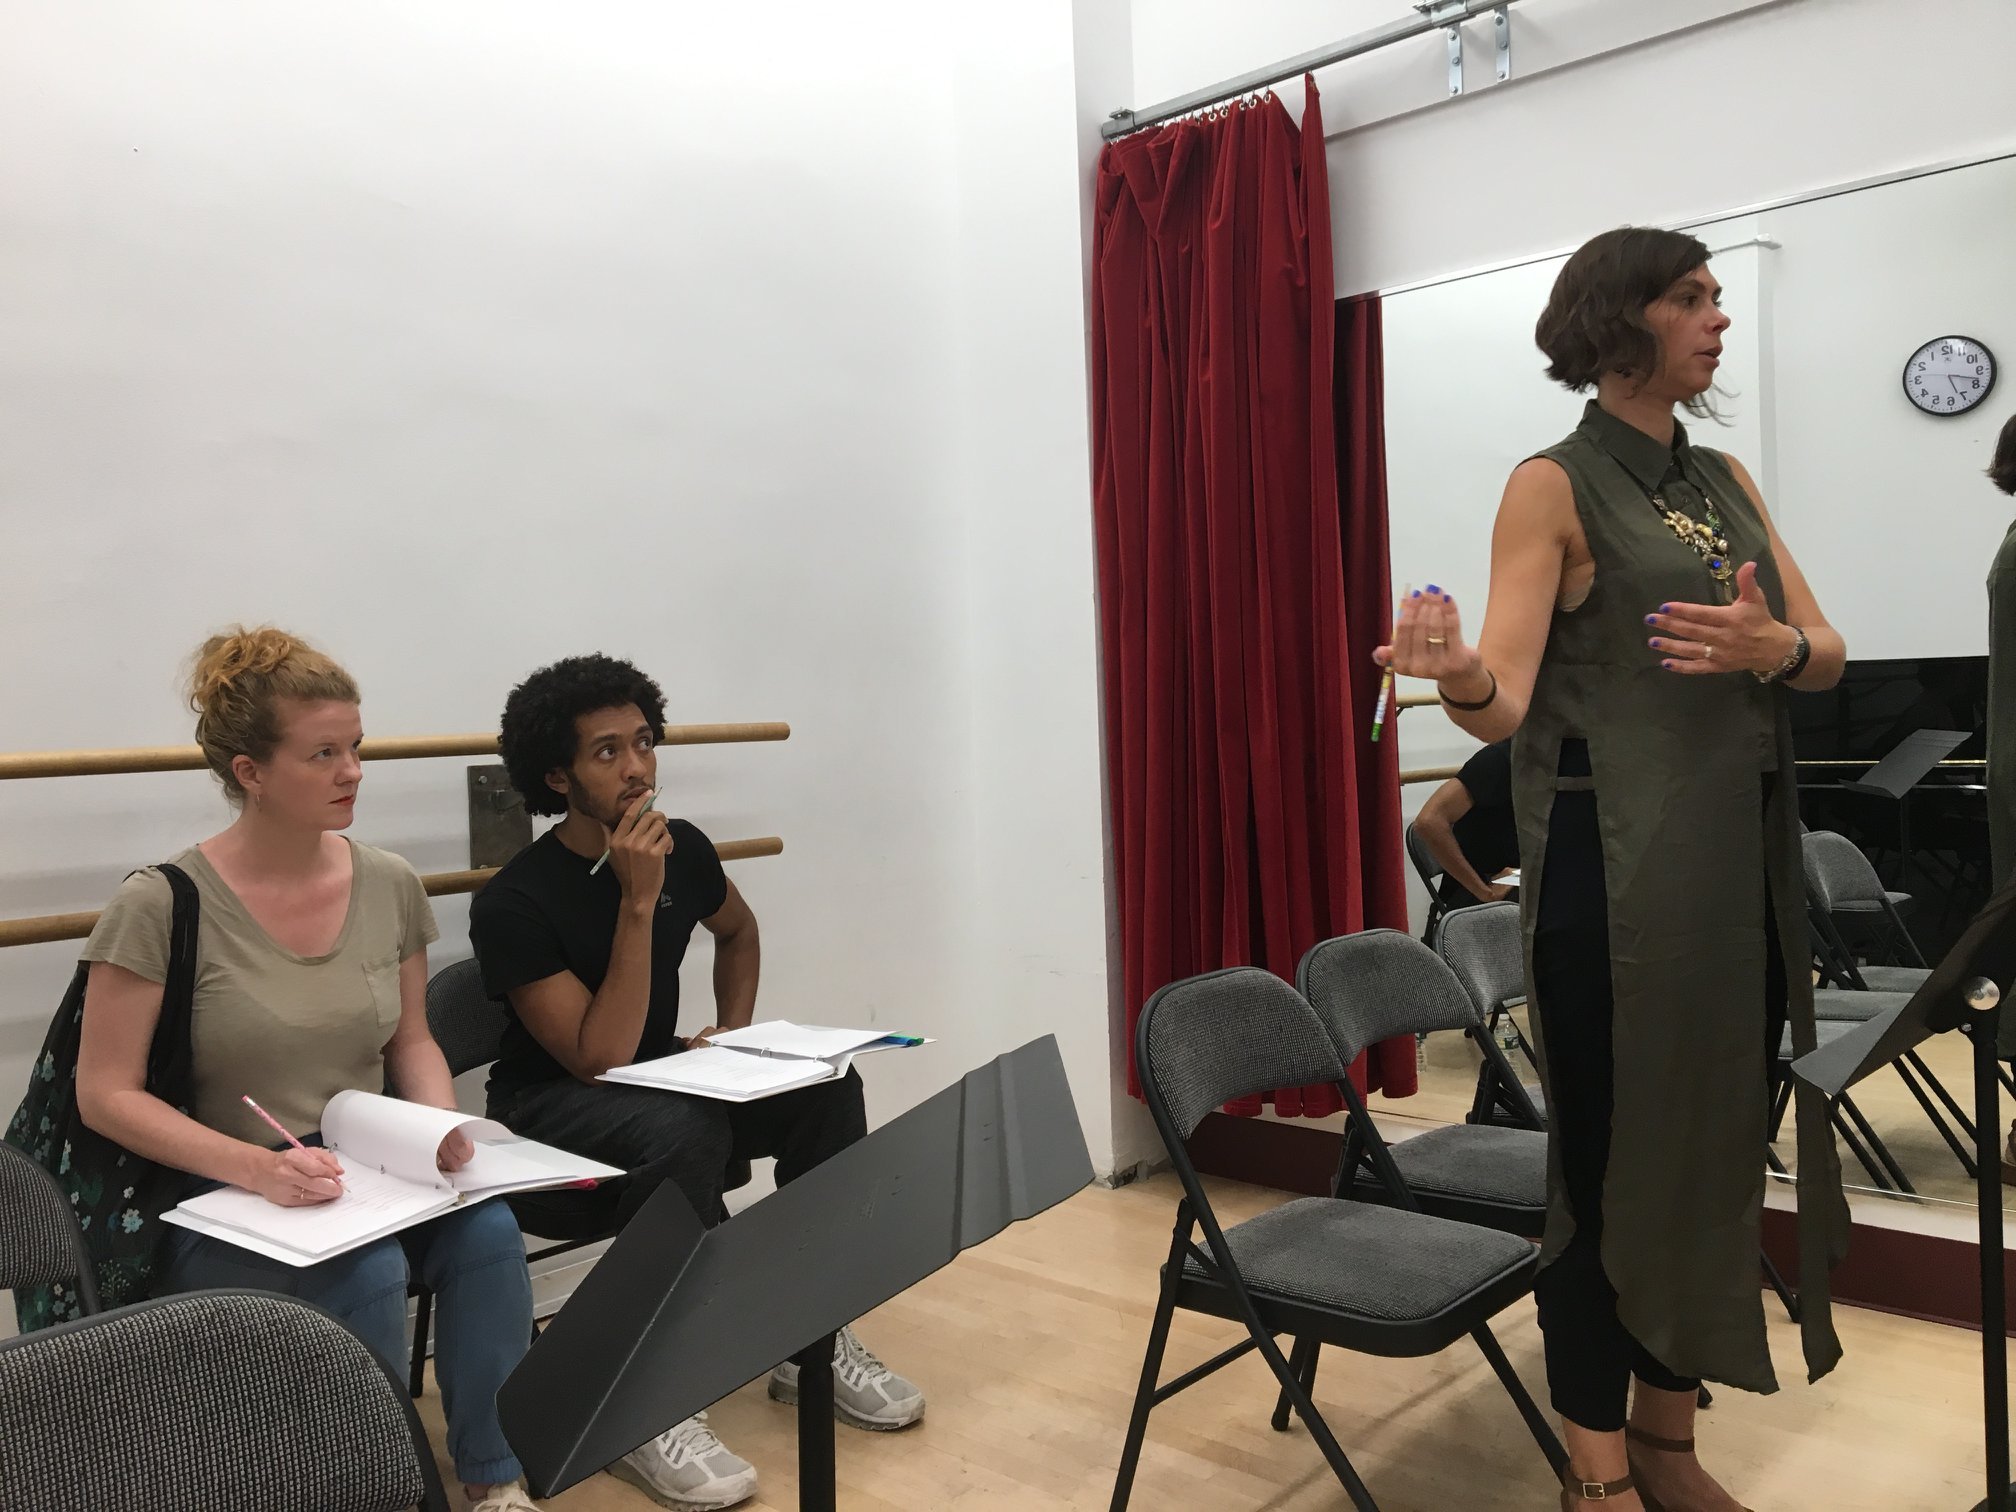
x=461 y=337
x=1618 y=110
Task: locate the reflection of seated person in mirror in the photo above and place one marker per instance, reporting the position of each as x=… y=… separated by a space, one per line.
x=1467 y=826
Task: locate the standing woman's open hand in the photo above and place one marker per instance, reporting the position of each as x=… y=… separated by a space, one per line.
x=1428 y=641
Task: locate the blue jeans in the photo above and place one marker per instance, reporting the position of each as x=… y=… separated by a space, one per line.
x=474 y=1262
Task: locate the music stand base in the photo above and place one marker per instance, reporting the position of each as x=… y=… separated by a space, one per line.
x=1994 y=1313
x=816 y=1480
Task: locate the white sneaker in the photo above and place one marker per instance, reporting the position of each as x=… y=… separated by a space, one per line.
x=511 y=1498
x=866 y=1393
x=688 y=1468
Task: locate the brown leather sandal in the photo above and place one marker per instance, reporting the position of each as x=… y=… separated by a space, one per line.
x=1653 y=1441
x=1575 y=1491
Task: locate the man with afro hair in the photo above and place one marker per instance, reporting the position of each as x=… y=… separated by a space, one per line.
x=586 y=963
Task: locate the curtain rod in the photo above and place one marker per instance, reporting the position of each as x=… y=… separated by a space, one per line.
x=1437 y=16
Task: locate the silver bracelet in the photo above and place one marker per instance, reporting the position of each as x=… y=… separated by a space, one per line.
x=1793 y=664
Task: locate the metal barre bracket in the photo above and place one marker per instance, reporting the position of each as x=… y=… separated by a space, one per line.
x=1455 y=11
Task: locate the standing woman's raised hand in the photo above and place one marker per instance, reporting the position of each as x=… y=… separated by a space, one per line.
x=1428 y=640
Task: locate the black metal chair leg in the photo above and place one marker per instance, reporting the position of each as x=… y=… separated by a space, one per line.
x=1303 y=1363
x=1144 y=1397
x=1536 y=1421
x=1779 y=1105
x=1785 y=1293
x=1960 y=1144
x=1847 y=1136
x=1882 y=1151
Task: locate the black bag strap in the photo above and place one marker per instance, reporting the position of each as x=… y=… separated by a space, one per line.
x=169 y=1069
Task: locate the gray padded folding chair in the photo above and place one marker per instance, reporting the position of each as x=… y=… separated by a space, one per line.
x=1381 y=985
x=1841 y=883
x=1375 y=1280
x=1485 y=950
x=1430 y=871
x=40 y=1243
x=209 y=1401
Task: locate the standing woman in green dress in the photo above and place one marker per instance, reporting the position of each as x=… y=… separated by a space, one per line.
x=1643 y=623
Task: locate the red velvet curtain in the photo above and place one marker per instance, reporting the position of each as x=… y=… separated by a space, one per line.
x=1238 y=607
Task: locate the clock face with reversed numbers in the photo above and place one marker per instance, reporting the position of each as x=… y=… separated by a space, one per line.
x=1949 y=375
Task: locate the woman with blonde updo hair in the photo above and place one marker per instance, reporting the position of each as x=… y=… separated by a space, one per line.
x=311 y=976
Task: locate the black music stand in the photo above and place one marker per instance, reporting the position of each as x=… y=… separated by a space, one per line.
x=1893 y=778
x=674 y=1317
x=1963 y=993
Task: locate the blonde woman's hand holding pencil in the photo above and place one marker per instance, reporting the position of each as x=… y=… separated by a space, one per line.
x=297 y=1178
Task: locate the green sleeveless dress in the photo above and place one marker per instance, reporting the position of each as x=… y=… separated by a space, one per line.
x=1682 y=766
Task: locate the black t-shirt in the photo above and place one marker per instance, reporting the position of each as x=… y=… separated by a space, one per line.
x=1487 y=835
x=543 y=914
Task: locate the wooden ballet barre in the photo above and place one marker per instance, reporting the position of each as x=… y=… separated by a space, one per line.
x=1430 y=774
x=75 y=926
x=189 y=758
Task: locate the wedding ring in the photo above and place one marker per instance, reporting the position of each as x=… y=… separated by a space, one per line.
x=1438 y=640
x=1707 y=652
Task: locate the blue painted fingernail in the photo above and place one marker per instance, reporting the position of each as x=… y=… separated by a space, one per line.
x=1433 y=589
x=1417 y=593
x=1651 y=619
x=1653 y=643
x=1665 y=608
x=1667 y=665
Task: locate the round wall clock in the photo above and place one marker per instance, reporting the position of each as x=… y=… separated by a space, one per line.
x=1949 y=375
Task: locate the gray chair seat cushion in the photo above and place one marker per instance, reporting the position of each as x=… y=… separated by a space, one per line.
x=1897 y=900
x=1844 y=1005
x=1827 y=1030
x=1904 y=979
x=1378 y=1263
x=1481 y=1162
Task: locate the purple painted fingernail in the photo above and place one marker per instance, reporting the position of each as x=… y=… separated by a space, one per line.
x=1667 y=665
x=1665 y=608
x=1433 y=589
x=1651 y=619
x=1416 y=593
x=1653 y=643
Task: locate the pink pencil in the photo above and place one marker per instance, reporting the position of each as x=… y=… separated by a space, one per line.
x=277 y=1125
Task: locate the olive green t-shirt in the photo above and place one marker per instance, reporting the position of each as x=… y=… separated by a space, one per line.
x=289 y=1030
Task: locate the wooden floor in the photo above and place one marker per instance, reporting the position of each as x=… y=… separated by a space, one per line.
x=1029 y=1348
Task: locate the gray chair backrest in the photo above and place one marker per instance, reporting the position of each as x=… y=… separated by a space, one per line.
x=466 y=1022
x=1212 y=1039
x=1837 y=872
x=209 y=1400
x=39 y=1238
x=1485 y=949
x=1379 y=985
x=1425 y=864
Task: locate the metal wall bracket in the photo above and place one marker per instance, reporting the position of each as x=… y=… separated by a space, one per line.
x=1454 y=11
x=499 y=826
x=1501 y=26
